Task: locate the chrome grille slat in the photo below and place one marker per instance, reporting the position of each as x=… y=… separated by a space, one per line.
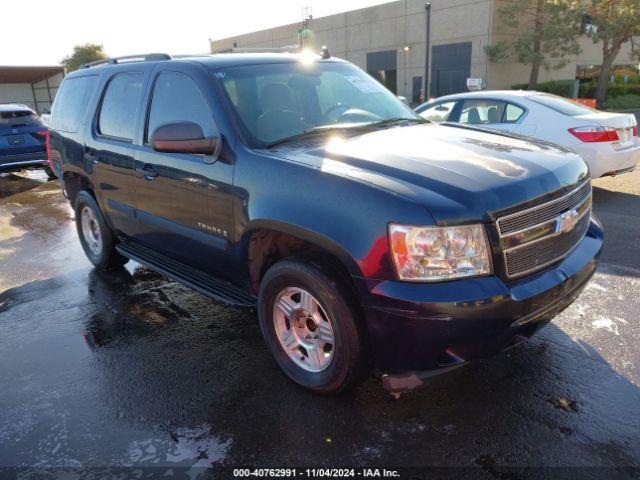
x=525 y=251
x=545 y=252
x=541 y=213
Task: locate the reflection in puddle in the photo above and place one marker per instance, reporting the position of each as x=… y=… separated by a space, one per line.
x=195 y=448
x=129 y=305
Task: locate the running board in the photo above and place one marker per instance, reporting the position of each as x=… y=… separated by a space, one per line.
x=199 y=281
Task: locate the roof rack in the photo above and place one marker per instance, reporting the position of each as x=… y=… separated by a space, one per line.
x=324 y=51
x=192 y=55
x=145 y=57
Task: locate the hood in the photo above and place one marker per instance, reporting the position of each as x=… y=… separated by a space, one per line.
x=460 y=174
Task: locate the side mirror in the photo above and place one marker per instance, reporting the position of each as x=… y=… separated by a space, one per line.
x=403 y=99
x=183 y=137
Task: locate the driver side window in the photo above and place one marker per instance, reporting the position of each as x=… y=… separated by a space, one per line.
x=177 y=98
x=439 y=112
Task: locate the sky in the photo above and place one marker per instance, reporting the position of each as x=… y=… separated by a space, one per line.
x=45 y=31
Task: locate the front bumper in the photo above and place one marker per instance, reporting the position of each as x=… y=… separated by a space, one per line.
x=429 y=326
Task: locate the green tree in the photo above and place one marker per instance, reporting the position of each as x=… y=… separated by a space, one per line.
x=83 y=54
x=540 y=33
x=612 y=22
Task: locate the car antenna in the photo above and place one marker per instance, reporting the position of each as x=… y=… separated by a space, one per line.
x=325 y=52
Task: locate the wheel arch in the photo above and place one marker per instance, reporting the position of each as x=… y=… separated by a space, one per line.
x=266 y=242
x=74 y=182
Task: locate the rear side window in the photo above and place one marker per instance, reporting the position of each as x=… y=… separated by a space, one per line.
x=177 y=98
x=19 y=118
x=513 y=113
x=119 y=106
x=71 y=103
x=561 y=105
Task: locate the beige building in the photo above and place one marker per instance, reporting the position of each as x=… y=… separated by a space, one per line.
x=389 y=41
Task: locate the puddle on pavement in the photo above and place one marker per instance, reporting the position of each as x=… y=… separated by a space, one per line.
x=72 y=331
x=196 y=448
x=38 y=239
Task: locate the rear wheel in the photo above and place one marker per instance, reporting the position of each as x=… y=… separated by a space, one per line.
x=311 y=327
x=97 y=239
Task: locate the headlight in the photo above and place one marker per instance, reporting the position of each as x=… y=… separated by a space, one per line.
x=439 y=253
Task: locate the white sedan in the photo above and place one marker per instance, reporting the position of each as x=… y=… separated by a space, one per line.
x=608 y=142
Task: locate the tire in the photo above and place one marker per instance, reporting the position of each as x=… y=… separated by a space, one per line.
x=319 y=367
x=97 y=239
x=50 y=173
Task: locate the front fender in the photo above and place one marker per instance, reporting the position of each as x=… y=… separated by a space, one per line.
x=345 y=216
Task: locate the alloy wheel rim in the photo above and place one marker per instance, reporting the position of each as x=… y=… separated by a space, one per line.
x=304 y=329
x=91 y=230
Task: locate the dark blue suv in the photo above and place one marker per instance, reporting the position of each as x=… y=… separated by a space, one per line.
x=297 y=185
x=23 y=140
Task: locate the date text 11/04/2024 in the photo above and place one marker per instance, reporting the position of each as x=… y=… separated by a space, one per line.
x=316 y=472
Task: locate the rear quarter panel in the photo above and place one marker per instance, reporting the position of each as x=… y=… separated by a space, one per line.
x=67 y=147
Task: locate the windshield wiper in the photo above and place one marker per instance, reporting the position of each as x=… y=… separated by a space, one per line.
x=353 y=126
x=315 y=131
x=393 y=121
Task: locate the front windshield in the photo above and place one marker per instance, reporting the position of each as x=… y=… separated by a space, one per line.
x=281 y=100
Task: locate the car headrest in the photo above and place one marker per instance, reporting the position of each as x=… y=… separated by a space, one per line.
x=492 y=115
x=473 y=116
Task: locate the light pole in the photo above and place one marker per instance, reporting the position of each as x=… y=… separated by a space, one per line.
x=427 y=8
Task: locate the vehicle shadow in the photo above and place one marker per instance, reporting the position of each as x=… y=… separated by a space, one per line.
x=619 y=214
x=11 y=184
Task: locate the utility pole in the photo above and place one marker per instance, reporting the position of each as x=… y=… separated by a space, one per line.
x=307 y=16
x=427 y=47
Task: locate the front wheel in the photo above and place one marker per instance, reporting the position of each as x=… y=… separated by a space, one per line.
x=312 y=327
x=97 y=239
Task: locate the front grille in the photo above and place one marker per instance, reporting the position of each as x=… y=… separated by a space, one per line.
x=537 y=255
x=543 y=213
x=542 y=235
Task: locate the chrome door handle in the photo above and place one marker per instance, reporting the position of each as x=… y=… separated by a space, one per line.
x=147 y=172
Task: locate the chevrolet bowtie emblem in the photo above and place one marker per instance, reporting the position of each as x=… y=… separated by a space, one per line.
x=566 y=221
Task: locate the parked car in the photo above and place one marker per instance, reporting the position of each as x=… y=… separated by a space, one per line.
x=608 y=142
x=23 y=140
x=299 y=186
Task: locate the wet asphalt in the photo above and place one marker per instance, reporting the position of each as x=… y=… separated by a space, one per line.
x=129 y=369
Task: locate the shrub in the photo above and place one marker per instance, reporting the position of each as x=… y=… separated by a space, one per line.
x=623 y=102
x=586 y=90
x=616 y=89
x=562 y=88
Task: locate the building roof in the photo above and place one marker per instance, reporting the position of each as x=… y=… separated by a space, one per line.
x=16 y=74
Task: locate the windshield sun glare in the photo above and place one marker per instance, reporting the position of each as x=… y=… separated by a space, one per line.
x=277 y=101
